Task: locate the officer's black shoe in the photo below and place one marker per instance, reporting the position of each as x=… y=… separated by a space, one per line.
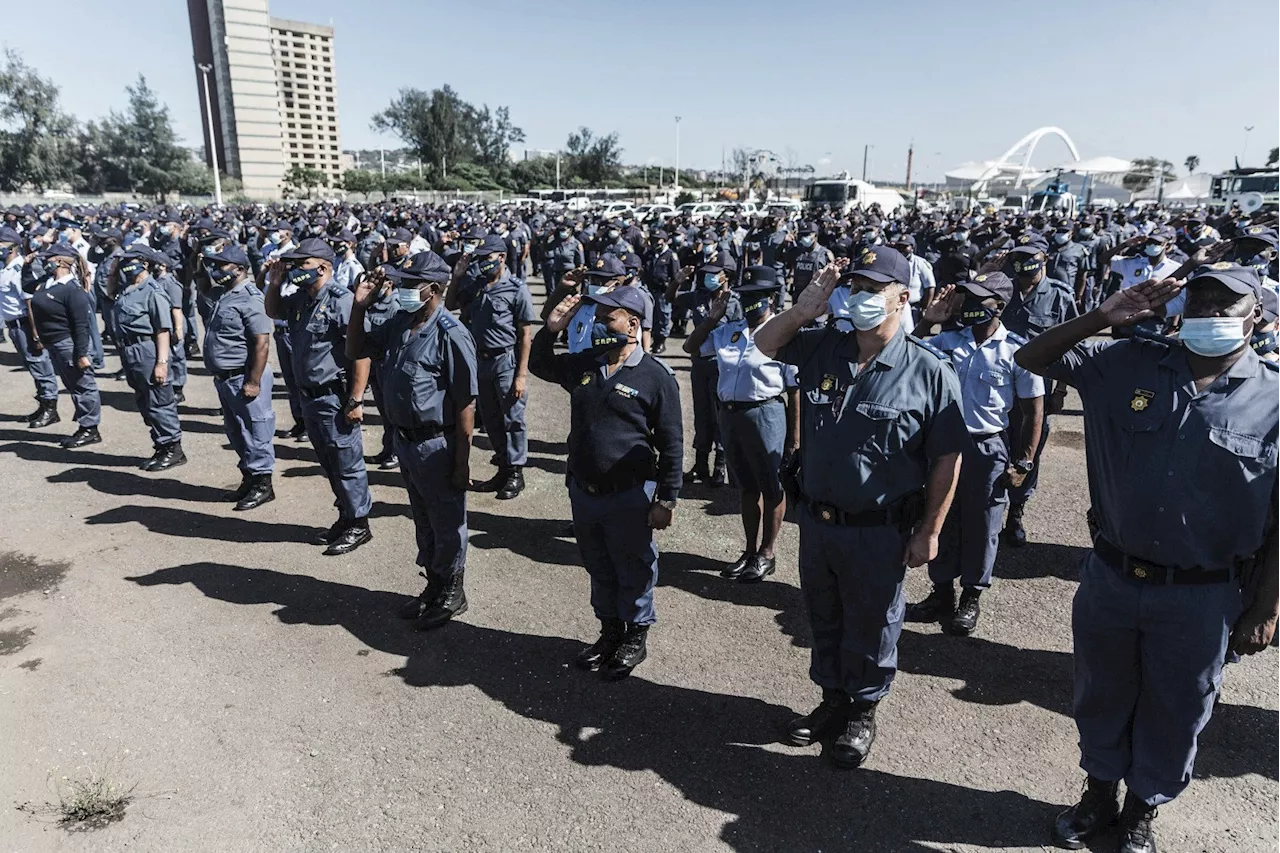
x=44 y=416
x=718 y=475
x=391 y=463
x=734 y=570
x=965 y=619
x=81 y=437
x=298 y=431
x=512 y=486
x=594 y=656
x=450 y=602
x=758 y=569
x=935 y=607
x=680 y=329
x=701 y=472
x=1135 y=821
x=193 y=349
x=629 y=654
x=381 y=457
x=120 y=375
x=1014 y=534
x=167 y=456
x=356 y=534
x=233 y=496
x=853 y=747
x=325 y=537
x=1098 y=809
x=178 y=396
x=260 y=492
x=416 y=606
x=659 y=346
x=826 y=719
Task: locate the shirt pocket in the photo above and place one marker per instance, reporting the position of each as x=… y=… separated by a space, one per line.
x=1235 y=459
x=998 y=385
x=424 y=390
x=877 y=435
x=319 y=324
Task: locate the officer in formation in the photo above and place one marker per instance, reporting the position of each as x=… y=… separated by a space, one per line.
x=1180 y=445
x=661 y=266
x=330 y=383
x=563 y=252
x=992 y=384
x=237 y=339
x=427 y=363
x=626 y=444
x=498 y=311
x=17 y=322
x=281 y=241
x=164 y=278
x=804 y=257
x=759 y=408
x=61 y=314
x=144 y=320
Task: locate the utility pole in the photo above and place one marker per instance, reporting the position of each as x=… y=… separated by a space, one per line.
x=213 y=142
x=676 y=185
x=865 y=149
x=911 y=151
x=382 y=158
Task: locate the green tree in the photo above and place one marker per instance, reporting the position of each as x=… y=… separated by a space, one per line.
x=1144 y=172
x=538 y=173
x=303 y=179
x=361 y=181
x=593 y=159
x=140 y=151
x=37 y=140
x=1192 y=163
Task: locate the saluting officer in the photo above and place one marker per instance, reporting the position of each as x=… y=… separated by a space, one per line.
x=883 y=435
x=991 y=383
x=145 y=320
x=759 y=408
x=805 y=257
x=625 y=447
x=330 y=384
x=237 y=338
x=500 y=316
x=427 y=363
x=1181 y=449
x=563 y=253
x=13 y=311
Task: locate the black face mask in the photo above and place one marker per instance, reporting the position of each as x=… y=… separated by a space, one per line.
x=604 y=340
x=974 y=313
x=756 y=311
x=1264 y=342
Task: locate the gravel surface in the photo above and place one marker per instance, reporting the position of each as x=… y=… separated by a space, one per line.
x=263 y=697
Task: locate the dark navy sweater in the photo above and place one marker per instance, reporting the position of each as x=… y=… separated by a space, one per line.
x=63 y=311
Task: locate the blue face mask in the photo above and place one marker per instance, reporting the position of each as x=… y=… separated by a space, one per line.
x=709 y=249
x=130 y=270
x=409 y=299
x=756 y=311
x=711 y=281
x=302 y=278
x=1153 y=250
x=1212 y=336
x=806 y=241
x=1061 y=239
x=1086 y=233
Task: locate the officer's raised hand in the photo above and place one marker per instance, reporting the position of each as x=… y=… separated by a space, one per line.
x=1137 y=303
x=720 y=302
x=659 y=516
x=370 y=287
x=684 y=274
x=560 y=316
x=942 y=307
x=812 y=302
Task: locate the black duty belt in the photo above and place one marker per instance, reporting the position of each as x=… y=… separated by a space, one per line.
x=490 y=354
x=599 y=491
x=422 y=433
x=879 y=517
x=224 y=375
x=337 y=386
x=14 y=323
x=1153 y=573
x=742 y=406
x=128 y=339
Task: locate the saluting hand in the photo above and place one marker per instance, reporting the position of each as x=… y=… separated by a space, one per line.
x=560 y=316
x=812 y=302
x=684 y=274
x=1137 y=303
x=370 y=287
x=720 y=303
x=942 y=307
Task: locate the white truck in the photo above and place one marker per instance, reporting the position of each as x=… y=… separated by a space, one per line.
x=845 y=194
x=1251 y=189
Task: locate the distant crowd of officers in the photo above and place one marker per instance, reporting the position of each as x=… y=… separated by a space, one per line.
x=888 y=379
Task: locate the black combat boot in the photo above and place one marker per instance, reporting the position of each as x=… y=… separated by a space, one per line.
x=853 y=747
x=356 y=534
x=935 y=607
x=629 y=654
x=512 y=486
x=701 y=472
x=420 y=603
x=824 y=720
x=450 y=602
x=659 y=346
x=167 y=456
x=45 y=415
x=719 y=476
x=298 y=431
x=965 y=619
x=594 y=656
x=1014 y=534
x=233 y=496
x=81 y=437
x=1135 y=822
x=260 y=491
x=1098 y=808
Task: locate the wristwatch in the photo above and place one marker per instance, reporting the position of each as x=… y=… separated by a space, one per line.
x=670 y=505
x=351 y=405
x=1024 y=467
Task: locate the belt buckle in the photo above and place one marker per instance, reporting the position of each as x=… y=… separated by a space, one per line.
x=826 y=513
x=1139 y=571
x=591 y=490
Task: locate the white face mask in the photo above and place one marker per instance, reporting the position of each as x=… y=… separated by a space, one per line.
x=867 y=310
x=1212 y=336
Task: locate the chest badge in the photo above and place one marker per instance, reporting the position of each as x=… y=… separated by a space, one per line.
x=828 y=382
x=737 y=336
x=586 y=379
x=1141 y=399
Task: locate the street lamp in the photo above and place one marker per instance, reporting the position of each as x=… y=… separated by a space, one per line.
x=865 y=149
x=676 y=186
x=213 y=143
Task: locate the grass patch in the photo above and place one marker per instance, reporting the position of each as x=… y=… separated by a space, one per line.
x=91 y=799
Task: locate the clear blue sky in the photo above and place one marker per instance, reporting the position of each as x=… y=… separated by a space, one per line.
x=1132 y=78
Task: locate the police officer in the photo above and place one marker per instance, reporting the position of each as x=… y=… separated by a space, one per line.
x=61 y=312
x=804 y=257
x=279 y=241
x=759 y=411
x=625 y=446
x=427 y=362
x=660 y=268
x=1066 y=260
x=500 y=317
x=237 y=338
x=882 y=434
x=162 y=277
x=991 y=383
x=144 y=318
x=13 y=312
x=1038 y=303
x=563 y=252
x=1181 y=448
x=349 y=267
x=330 y=383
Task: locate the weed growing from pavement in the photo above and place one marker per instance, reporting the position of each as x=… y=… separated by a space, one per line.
x=92 y=799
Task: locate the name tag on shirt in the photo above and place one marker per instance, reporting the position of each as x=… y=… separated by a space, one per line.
x=626 y=390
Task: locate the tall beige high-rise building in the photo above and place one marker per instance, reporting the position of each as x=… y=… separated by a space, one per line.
x=272 y=93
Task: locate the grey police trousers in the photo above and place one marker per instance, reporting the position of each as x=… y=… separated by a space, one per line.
x=157 y=404
x=80 y=383
x=439 y=509
x=970 y=535
x=250 y=425
x=338 y=444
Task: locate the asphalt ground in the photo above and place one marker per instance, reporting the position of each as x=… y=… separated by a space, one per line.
x=263 y=697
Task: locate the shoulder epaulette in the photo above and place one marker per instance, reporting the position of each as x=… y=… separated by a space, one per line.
x=448 y=321
x=1270 y=365
x=1017 y=339
x=662 y=363
x=928 y=347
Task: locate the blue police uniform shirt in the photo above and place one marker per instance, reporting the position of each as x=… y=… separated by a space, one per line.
x=172 y=289
x=1049 y=303
x=1138 y=269
x=497 y=311
x=989 y=377
x=870 y=437
x=143 y=309
x=426 y=373
x=1177 y=477
x=347 y=271
x=13 y=302
x=1065 y=262
x=698 y=303
x=746 y=374
x=318 y=332
x=237 y=316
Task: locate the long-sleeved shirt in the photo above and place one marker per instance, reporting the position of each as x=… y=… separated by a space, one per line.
x=625 y=427
x=62 y=310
